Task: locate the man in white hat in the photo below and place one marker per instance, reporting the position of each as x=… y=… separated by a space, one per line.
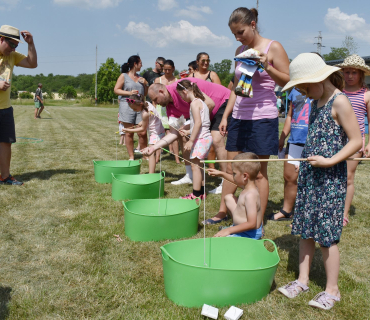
x=9 y=40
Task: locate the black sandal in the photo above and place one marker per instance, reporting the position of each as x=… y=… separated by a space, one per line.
x=287 y=216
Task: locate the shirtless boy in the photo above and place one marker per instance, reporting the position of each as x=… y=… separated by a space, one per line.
x=245 y=210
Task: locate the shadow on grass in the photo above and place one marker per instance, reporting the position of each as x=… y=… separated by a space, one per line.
x=290 y=244
x=4 y=301
x=45 y=174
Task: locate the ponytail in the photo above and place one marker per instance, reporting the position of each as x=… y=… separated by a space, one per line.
x=190 y=86
x=126 y=67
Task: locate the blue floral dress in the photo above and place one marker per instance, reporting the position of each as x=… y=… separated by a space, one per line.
x=321 y=192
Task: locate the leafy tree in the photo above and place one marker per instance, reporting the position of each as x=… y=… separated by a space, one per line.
x=25 y=95
x=223 y=71
x=13 y=92
x=349 y=46
x=107 y=78
x=67 y=92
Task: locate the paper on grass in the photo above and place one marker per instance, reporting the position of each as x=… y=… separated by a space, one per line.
x=294 y=153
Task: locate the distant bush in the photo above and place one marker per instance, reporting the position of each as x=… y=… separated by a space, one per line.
x=25 y=95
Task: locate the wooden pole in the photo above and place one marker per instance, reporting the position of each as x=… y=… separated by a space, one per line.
x=274 y=160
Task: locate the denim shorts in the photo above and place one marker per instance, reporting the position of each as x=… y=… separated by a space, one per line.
x=7 y=126
x=258 y=136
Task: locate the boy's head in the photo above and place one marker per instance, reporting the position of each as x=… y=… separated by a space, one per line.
x=249 y=170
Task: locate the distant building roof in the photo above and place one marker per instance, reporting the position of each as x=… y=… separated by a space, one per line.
x=333 y=62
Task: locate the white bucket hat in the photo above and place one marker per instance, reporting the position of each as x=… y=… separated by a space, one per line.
x=356 y=62
x=308 y=68
x=10 y=32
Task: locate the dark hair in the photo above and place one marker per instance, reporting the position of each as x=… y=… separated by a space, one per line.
x=191 y=86
x=252 y=168
x=126 y=67
x=201 y=54
x=337 y=80
x=139 y=100
x=40 y=84
x=160 y=59
x=193 y=64
x=170 y=63
x=244 y=16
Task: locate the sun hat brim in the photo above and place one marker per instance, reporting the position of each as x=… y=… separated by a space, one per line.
x=10 y=36
x=312 y=78
x=365 y=68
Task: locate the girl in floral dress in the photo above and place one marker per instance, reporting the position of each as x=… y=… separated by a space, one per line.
x=322 y=181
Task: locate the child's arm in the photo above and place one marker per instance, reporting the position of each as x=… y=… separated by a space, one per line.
x=367 y=101
x=217 y=173
x=143 y=128
x=345 y=116
x=195 y=109
x=286 y=129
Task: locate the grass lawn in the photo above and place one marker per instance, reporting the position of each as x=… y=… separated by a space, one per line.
x=60 y=260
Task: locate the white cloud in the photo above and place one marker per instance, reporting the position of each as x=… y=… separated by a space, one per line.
x=351 y=25
x=181 y=32
x=8 y=5
x=165 y=5
x=193 y=12
x=97 y=4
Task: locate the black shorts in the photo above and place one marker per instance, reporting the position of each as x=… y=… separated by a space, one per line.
x=258 y=136
x=215 y=122
x=7 y=126
x=288 y=145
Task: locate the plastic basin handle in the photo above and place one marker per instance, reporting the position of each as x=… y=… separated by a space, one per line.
x=165 y=254
x=163 y=174
x=272 y=243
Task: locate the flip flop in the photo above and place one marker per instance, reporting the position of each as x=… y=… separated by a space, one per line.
x=287 y=216
x=210 y=221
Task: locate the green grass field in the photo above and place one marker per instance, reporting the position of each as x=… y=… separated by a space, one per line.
x=60 y=260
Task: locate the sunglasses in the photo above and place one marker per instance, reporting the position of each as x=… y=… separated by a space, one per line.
x=205 y=60
x=160 y=64
x=132 y=101
x=11 y=44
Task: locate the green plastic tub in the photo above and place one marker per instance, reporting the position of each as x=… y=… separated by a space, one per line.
x=141 y=186
x=237 y=270
x=104 y=169
x=154 y=220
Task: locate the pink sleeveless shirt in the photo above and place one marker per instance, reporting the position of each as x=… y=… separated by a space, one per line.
x=263 y=103
x=206 y=123
x=357 y=99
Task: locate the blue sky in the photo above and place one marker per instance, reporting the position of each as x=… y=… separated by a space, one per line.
x=67 y=31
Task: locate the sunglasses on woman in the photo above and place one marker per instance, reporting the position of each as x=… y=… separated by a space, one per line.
x=205 y=60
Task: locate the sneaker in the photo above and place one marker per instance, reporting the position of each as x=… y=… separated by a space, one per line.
x=10 y=181
x=293 y=289
x=217 y=190
x=184 y=180
x=137 y=151
x=191 y=196
x=323 y=301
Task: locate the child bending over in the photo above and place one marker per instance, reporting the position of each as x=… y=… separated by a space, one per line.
x=245 y=210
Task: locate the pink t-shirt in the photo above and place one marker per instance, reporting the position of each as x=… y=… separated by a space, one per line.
x=155 y=126
x=218 y=93
x=263 y=103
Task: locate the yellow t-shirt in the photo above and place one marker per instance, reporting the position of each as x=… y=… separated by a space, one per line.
x=7 y=64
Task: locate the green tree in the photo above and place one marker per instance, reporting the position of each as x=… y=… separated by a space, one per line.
x=13 y=93
x=223 y=71
x=349 y=46
x=25 y=95
x=108 y=74
x=67 y=92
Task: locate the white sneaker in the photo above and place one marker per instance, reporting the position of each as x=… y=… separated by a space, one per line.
x=217 y=190
x=185 y=179
x=137 y=151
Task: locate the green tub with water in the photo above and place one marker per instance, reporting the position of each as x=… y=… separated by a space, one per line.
x=154 y=220
x=141 y=186
x=104 y=169
x=237 y=271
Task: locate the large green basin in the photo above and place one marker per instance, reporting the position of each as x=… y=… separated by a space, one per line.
x=237 y=270
x=104 y=169
x=140 y=186
x=153 y=219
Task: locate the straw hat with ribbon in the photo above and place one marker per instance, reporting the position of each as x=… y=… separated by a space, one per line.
x=308 y=68
x=356 y=62
x=10 y=32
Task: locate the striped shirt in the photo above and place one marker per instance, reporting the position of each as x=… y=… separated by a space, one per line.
x=357 y=99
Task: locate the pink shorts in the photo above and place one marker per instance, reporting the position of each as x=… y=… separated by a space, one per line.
x=201 y=148
x=154 y=138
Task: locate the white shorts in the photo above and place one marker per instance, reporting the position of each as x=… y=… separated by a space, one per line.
x=120 y=127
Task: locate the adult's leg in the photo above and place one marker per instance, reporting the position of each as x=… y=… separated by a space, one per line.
x=40 y=110
x=306 y=252
x=5 y=156
x=175 y=147
x=218 y=142
x=262 y=183
x=211 y=156
x=331 y=263
x=290 y=188
x=129 y=140
x=351 y=170
x=36 y=112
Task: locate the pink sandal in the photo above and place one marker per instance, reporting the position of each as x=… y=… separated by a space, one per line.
x=293 y=289
x=345 y=221
x=323 y=301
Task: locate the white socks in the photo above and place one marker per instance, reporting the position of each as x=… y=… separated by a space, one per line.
x=188 y=171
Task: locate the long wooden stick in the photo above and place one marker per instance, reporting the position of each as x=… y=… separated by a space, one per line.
x=274 y=160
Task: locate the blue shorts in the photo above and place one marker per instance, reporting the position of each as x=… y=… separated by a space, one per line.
x=255 y=234
x=258 y=136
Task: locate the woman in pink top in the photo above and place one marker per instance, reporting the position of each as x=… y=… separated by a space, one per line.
x=355 y=70
x=254 y=123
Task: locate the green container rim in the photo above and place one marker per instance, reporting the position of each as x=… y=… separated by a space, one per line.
x=100 y=165
x=159 y=216
x=163 y=174
x=164 y=251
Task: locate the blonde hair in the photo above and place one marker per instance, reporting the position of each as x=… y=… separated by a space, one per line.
x=190 y=86
x=252 y=168
x=139 y=100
